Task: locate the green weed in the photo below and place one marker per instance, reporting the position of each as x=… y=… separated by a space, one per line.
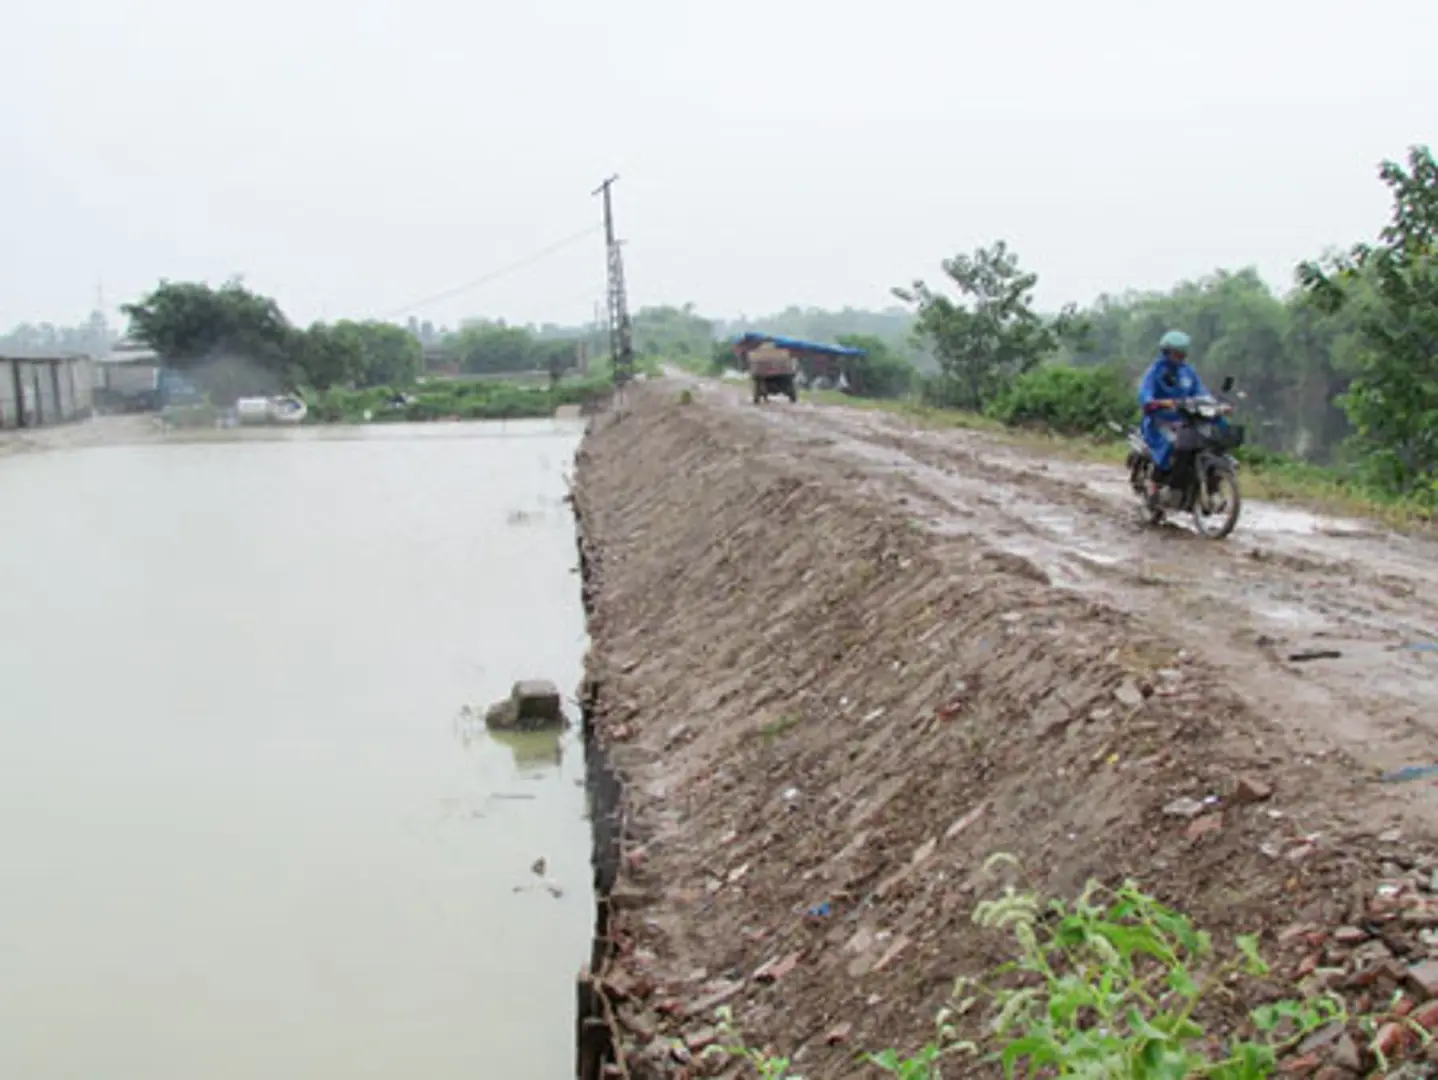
x=1110 y=986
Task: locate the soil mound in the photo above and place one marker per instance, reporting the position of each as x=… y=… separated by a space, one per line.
x=825 y=718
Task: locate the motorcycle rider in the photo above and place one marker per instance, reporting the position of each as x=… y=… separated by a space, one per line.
x=1170 y=378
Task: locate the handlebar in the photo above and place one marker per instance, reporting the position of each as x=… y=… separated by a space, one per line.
x=1188 y=405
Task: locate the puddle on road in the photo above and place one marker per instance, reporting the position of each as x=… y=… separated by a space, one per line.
x=1272 y=518
x=1291 y=617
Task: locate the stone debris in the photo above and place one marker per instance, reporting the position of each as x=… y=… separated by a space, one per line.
x=1250 y=789
x=532 y=705
x=1384 y=969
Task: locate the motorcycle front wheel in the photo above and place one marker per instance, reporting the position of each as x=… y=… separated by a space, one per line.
x=1215 y=510
x=1139 y=472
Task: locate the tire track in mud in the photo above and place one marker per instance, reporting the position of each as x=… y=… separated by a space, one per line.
x=1286 y=582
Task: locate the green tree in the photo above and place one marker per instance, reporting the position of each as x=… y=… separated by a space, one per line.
x=487 y=348
x=1393 y=398
x=231 y=341
x=189 y=322
x=389 y=355
x=555 y=355
x=330 y=356
x=672 y=333
x=991 y=334
x=1290 y=358
x=722 y=358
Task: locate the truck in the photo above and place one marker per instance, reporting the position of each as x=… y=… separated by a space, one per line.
x=773 y=370
x=774 y=364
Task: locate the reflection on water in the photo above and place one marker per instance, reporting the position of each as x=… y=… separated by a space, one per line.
x=534 y=752
x=241 y=839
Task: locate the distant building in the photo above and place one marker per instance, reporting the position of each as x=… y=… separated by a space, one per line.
x=36 y=391
x=127 y=378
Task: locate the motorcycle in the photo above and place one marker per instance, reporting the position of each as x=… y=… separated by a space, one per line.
x=1204 y=477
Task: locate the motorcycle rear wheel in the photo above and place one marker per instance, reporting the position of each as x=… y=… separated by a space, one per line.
x=1216 y=509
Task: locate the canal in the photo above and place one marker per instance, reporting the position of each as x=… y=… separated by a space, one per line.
x=245 y=831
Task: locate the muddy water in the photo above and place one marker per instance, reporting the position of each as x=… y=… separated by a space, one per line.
x=244 y=832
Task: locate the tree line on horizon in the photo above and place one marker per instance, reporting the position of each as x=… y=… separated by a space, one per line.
x=1344 y=360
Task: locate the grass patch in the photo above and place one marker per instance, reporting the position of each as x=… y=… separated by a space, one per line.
x=467 y=400
x=780 y=726
x=515 y=396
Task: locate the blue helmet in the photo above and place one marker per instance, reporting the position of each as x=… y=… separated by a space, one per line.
x=1175 y=341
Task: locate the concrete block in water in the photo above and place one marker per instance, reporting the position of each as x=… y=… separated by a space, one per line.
x=533 y=705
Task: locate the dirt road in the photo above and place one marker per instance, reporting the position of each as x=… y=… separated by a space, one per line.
x=1286 y=583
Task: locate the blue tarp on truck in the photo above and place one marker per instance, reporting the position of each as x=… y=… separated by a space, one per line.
x=753 y=338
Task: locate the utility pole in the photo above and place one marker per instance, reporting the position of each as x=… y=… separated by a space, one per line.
x=99 y=323
x=621 y=339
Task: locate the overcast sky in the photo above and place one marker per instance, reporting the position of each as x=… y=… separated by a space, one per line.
x=352 y=158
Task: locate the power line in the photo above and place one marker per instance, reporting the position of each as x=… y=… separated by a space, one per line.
x=493 y=275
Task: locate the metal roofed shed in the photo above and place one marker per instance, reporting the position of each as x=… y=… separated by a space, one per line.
x=36 y=391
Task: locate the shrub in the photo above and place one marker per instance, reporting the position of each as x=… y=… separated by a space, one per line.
x=722 y=358
x=880 y=373
x=1067 y=399
x=1110 y=985
x=469 y=400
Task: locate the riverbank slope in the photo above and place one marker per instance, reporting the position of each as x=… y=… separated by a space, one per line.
x=826 y=711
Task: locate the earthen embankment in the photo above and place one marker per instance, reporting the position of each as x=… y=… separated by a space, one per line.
x=819 y=716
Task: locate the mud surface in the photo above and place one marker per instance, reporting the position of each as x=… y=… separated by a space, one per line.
x=100 y=431
x=1288 y=583
x=843 y=660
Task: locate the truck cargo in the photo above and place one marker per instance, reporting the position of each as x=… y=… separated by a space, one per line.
x=773 y=371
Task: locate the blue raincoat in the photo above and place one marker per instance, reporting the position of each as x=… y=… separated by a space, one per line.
x=1166 y=380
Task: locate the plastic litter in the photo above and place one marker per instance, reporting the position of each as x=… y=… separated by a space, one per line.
x=1408 y=772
